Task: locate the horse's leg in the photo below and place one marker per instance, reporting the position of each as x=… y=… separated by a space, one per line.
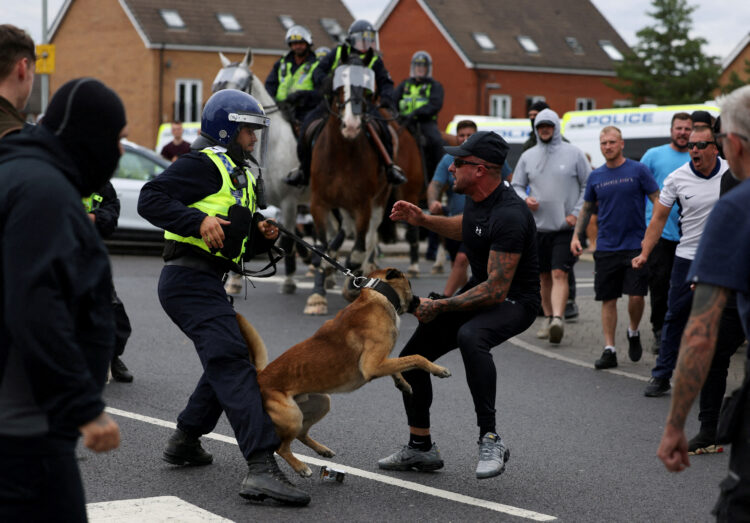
x=289 y=220
x=372 y=240
x=412 y=237
x=317 y=304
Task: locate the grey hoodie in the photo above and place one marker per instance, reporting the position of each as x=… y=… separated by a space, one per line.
x=555 y=173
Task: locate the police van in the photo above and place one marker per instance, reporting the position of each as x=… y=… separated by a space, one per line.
x=190 y=132
x=515 y=131
x=642 y=127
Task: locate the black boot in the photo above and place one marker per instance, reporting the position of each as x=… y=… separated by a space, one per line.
x=265 y=480
x=296 y=178
x=119 y=371
x=183 y=449
x=395 y=175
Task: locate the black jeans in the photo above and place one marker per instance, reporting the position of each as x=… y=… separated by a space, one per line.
x=659 y=270
x=474 y=333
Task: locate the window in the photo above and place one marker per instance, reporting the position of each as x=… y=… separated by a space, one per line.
x=585 y=104
x=531 y=100
x=572 y=42
x=172 y=18
x=229 y=22
x=333 y=28
x=500 y=105
x=134 y=166
x=528 y=44
x=286 y=21
x=611 y=50
x=483 y=41
x=187 y=101
x=622 y=103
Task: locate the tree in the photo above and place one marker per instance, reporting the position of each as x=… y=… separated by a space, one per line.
x=667 y=66
x=734 y=81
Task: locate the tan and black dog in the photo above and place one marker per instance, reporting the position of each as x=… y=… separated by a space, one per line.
x=344 y=354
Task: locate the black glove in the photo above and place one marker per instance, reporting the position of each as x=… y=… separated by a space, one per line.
x=236 y=232
x=294 y=98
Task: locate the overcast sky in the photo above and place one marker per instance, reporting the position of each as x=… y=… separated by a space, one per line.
x=724 y=23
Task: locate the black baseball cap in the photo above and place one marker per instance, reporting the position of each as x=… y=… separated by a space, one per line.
x=487 y=145
x=701 y=117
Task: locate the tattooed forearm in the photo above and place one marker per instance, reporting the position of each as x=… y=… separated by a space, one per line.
x=583 y=217
x=501 y=267
x=696 y=350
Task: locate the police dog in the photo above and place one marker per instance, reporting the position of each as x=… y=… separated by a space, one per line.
x=344 y=354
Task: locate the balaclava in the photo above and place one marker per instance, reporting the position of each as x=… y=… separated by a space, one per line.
x=87 y=117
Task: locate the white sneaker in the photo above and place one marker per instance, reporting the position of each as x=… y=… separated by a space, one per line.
x=543 y=332
x=556 y=329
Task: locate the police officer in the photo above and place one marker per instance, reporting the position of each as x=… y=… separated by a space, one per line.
x=103 y=208
x=291 y=81
x=361 y=37
x=420 y=98
x=206 y=202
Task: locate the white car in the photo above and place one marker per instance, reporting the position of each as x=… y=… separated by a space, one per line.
x=137 y=166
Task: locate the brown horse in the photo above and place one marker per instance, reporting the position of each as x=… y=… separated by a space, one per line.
x=346 y=171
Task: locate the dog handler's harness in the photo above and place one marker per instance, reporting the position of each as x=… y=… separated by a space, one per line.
x=360 y=282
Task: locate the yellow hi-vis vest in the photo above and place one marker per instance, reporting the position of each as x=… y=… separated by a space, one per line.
x=362 y=56
x=218 y=203
x=414 y=97
x=91 y=203
x=300 y=80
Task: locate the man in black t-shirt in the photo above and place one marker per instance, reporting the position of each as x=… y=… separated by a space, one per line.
x=500 y=301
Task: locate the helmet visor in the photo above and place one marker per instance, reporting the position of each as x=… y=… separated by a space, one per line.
x=421 y=69
x=364 y=40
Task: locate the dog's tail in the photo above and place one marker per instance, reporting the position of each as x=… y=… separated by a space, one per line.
x=255 y=345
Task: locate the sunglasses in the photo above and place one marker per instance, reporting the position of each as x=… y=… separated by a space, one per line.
x=460 y=162
x=700 y=145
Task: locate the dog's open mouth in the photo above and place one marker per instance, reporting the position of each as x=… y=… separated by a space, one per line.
x=413 y=304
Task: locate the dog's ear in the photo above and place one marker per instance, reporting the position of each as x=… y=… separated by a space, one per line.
x=393 y=273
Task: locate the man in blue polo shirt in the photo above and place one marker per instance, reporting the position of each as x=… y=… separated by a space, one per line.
x=720 y=266
x=619 y=188
x=662 y=161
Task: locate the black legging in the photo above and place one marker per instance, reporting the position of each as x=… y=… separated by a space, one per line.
x=474 y=333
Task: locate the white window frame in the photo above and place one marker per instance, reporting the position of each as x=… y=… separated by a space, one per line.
x=229 y=22
x=172 y=18
x=483 y=41
x=612 y=51
x=528 y=44
x=500 y=105
x=193 y=102
x=585 y=104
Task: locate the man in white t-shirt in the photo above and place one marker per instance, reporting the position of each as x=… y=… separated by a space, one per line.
x=694 y=187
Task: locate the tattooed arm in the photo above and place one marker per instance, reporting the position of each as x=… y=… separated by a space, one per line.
x=583 y=219
x=501 y=267
x=695 y=355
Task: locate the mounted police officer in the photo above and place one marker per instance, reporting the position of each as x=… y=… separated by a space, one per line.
x=291 y=81
x=360 y=39
x=206 y=202
x=420 y=98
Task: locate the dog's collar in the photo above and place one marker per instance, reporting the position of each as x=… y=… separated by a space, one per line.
x=386 y=290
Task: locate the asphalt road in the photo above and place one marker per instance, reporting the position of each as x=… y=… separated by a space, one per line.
x=582 y=442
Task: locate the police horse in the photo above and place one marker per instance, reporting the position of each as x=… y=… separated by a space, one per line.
x=347 y=172
x=282 y=152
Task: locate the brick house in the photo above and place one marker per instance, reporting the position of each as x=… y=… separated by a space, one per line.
x=736 y=62
x=161 y=55
x=496 y=57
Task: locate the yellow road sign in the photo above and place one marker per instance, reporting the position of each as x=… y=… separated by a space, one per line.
x=45 y=58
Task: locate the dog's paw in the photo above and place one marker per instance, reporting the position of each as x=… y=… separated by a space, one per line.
x=304 y=472
x=442 y=372
x=401 y=384
x=326 y=452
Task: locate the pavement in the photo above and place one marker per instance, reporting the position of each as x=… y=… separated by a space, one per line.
x=583 y=341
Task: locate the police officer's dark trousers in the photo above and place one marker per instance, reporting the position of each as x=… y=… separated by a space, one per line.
x=196 y=301
x=474 y=333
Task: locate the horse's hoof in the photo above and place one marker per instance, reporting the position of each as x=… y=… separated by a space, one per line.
x=288 y=287
x=411 y=273
x=317 y=305
x=310 y=271
x=437 y=269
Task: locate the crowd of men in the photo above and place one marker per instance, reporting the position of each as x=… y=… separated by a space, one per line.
x=513 y=233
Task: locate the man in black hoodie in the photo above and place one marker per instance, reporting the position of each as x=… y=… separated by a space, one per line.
x=56 y=327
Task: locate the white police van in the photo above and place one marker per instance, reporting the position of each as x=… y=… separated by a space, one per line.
x=642 y=127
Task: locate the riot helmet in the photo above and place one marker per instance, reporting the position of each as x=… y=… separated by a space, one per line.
x=421 y=65
x=225 y=114
x=362 y=36
x=321 y=52
x=298 y=33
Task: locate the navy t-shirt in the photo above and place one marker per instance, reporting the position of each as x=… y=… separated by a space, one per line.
x=723 y=255
x=621 y=194
x=502 y=222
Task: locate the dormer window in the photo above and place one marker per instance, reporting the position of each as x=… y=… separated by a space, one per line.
x=286 y=21
x=528 y=44
x=483 y=41
x=229 y=22
x=611 y=50
x=172 y=18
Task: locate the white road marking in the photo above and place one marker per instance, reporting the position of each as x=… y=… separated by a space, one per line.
x=162 y=509
x=444 y=494
x=518 y=342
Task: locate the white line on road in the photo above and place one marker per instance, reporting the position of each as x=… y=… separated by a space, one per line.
x=518 y=342
x=445 y=494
